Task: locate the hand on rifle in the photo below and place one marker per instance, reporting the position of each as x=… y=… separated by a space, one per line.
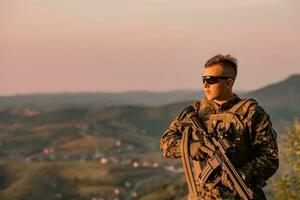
x=198 y=150
x=226 y=181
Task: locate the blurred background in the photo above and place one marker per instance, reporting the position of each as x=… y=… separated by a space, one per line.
x=88 y=87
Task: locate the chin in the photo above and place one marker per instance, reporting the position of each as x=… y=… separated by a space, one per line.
x=209 y=97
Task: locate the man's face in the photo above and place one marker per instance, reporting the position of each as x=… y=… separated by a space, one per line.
x=221 y=89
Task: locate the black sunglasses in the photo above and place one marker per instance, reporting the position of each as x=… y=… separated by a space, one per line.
x=213 y=79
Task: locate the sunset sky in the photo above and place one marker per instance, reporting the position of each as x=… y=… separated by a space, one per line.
x=154 y=45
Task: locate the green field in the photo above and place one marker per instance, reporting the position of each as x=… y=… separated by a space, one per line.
x=86 y=180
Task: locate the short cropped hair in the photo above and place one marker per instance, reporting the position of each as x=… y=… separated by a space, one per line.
x=225 y=61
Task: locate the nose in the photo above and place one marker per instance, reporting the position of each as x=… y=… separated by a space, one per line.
x=205 y=85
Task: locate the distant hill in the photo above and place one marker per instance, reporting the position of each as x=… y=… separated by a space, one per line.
x=280 y=99
x=284 y=93
x=80 y=132
x=96 y=100
x=139 y=129
x=138 y=126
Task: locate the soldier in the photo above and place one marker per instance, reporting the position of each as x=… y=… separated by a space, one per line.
x=246 y=124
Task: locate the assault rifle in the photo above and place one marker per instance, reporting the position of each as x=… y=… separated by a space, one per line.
x=219 y=145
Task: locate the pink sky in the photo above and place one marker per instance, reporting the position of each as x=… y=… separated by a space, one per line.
x=156 y=45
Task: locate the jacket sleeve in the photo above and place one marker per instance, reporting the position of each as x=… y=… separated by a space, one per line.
x=264 y=147
x=171 y=138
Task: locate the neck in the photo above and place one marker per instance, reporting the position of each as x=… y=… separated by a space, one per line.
x=223 y=100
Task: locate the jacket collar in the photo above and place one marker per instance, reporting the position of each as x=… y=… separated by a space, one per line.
x=225 y=106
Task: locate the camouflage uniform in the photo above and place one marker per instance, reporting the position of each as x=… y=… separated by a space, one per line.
x=256 y=151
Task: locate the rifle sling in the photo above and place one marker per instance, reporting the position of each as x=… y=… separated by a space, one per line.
x=187 y=165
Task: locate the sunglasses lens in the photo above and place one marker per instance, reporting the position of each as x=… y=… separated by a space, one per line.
x=210 y=80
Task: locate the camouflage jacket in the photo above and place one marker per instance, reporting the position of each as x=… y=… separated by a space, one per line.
x=257 y=163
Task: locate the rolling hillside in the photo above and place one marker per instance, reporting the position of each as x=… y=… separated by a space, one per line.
x=104 y=152
x=96 y=100
x=285 y=93
x=26 y=132
x=281 y=99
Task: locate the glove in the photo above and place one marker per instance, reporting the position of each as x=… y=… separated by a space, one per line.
x=198 y=150
x=226 y=181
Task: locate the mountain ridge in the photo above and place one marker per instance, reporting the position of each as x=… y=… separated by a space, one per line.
x=97 y=99
x=275 y=94
x=283 y=94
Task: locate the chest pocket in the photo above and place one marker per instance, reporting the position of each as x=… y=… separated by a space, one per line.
x=232 y=124
x=229 y=126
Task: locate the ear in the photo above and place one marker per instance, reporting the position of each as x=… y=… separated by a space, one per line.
x=230 y=82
